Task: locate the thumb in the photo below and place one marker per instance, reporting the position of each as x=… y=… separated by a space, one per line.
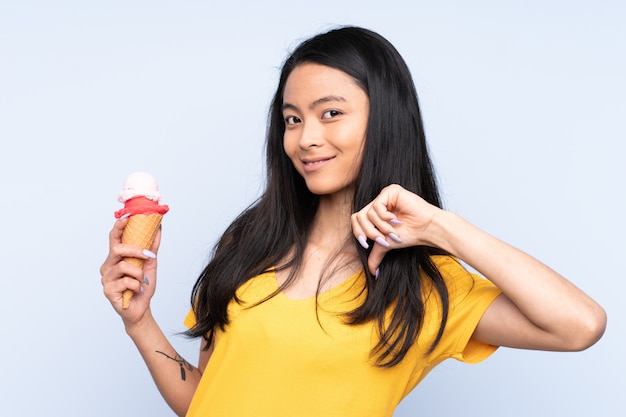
x=375 y=258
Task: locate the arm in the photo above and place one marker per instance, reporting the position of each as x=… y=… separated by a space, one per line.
x=175 y=378
x=539 y=309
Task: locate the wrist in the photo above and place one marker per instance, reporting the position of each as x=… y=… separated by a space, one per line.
x=138 y=327
x=443 y=229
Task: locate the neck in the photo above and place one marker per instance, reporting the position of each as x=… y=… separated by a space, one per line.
x=331 y=226
x=329 y=256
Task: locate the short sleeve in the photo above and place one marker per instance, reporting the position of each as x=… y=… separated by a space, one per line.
x=190 y=319
x=470 y=295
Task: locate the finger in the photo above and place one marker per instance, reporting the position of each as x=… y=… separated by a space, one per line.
x=115 y=239
x=115 y=236
x=118 y=286
x=358 y=231
x=369 y=218
x=376 y=257
x=380 y=246
x=373 y=227
x=121 y=270
x=364 y=229
x=381 y=212
x=113 y=290
x=120 y=251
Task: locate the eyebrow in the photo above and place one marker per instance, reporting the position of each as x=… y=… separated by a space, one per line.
x=316 y=103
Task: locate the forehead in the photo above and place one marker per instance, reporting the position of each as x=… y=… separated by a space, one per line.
x=312 y=81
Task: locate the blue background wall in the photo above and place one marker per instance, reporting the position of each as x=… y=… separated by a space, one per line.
x=524 y=105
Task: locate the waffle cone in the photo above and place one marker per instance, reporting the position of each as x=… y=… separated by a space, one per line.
x=140 y=230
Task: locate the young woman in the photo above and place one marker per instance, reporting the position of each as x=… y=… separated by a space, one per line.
x=339 y=289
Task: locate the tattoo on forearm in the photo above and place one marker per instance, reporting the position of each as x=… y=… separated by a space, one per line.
x=181 y=362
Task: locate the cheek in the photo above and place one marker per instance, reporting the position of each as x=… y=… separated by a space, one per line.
x=353 y=141
x=358 y=155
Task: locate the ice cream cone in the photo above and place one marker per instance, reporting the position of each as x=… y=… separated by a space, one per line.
x=141 y=198
x=140 y=230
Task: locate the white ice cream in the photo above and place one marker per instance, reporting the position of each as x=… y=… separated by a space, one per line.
x=140 y=184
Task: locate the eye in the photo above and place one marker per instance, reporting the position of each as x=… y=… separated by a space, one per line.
x=292 y=120
x=329 y=114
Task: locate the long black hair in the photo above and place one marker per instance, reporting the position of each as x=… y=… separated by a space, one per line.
x=277 y=225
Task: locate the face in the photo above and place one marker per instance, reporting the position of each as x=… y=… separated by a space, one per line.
x=325 y=115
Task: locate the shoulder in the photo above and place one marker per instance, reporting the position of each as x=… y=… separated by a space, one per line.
x=458 y=279
x=466 y=290
x=469 y=296
x=449 y=266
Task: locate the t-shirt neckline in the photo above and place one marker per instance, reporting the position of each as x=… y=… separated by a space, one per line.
x=345 y=283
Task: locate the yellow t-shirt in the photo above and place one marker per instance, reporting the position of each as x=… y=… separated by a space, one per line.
x=280 y=359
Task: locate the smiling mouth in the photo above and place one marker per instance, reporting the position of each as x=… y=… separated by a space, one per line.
x=317 y=161
x=312 y=165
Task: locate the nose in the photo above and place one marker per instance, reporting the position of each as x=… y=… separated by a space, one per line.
x=311 y=135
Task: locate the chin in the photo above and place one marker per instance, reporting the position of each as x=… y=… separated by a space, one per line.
x=327 y=190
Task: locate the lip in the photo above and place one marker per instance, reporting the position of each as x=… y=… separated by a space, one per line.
x=315 y=164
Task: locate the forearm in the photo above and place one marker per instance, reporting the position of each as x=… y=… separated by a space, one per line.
x=547 y=299
x=175 y=378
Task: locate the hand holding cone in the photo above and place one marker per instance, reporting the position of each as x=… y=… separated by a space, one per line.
x=141 y=202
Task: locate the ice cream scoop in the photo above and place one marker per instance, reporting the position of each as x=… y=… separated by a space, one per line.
x=141 y=199
x=140 y=184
